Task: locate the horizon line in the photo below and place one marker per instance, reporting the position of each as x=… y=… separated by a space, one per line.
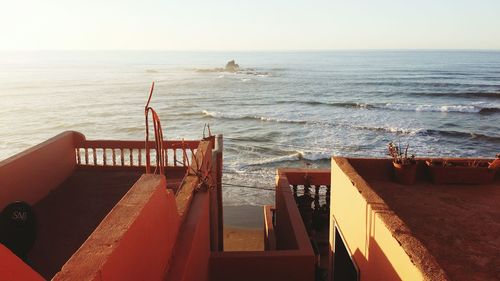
x=254 y=50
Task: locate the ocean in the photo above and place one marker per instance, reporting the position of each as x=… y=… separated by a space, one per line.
x=282 y=109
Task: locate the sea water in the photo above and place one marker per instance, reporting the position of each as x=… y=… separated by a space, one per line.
x=282 y=109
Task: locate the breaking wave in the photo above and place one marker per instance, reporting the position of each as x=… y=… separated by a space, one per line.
x=220 y=115
x=407 y=107
x=432 y=132
x=489 y=95
x=392 y=130
x=458 y=134
x=438 y=108
x=292 y=157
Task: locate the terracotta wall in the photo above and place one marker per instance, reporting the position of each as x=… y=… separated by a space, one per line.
x=192 y=249
x=290 y=230
x=269 y=234
x=261 y=266
x=377 y=254
x=30 y=175
x=13 y=268
x=293 y=258
x=149 y=235
x=134 y=241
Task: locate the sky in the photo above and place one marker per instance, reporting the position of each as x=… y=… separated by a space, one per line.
x=248 y=25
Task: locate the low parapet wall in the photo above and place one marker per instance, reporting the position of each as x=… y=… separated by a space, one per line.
x=262 y=266
x=293 y=258
x=361 y=217
x=30 y=175
x=134 y=241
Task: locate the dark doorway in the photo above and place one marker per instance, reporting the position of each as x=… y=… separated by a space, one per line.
x=344 y=268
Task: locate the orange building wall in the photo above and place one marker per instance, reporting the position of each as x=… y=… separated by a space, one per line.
x=47 y=164
x=377 y=254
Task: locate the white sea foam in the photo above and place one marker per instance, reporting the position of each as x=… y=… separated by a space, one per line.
x=216 y=114
x=430 y=107
x=298 y=155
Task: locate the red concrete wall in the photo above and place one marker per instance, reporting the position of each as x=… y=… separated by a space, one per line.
x=269 y=233
x=192 y=251
x=13 y=268
x=198 y=211
x=294 y=258
x=261 y=266
x=30 y=175
x=314 y=176
x=290 y=230
x=134 y=241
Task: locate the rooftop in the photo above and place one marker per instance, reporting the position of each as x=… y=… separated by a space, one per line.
x=71 y=212
x=450 y=228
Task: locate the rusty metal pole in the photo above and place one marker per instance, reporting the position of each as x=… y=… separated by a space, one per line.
x=219 y=147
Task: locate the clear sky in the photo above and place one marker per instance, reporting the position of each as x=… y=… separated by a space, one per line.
x=249 y=25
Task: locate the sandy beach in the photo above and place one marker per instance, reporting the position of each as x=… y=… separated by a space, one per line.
x=243 y=228
x=243 y=239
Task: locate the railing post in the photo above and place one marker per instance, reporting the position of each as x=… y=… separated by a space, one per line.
x=327 y=199
x=316 y=197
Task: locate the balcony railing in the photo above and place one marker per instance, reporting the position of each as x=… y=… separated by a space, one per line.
x=310 y=188
x=132 y=153
x=311 y=195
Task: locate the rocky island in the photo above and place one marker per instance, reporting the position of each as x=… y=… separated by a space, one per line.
x=231 y=66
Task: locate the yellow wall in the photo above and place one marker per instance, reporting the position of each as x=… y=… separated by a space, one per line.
x=375 y=251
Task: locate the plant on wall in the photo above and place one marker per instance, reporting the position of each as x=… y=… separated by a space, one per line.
x=404 y=165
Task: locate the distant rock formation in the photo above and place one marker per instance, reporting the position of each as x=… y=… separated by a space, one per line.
x=232 y=66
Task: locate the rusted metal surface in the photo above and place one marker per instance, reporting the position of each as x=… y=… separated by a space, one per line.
x=158 y=132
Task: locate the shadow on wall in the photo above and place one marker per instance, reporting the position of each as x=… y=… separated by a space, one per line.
x=377 y=266
x=375 y=262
